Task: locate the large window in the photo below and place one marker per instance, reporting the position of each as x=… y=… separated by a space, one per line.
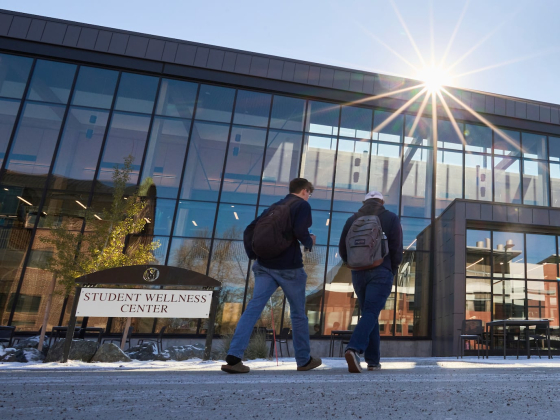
x=511 y=275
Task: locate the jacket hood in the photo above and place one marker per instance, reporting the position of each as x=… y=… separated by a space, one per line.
x=371 y=206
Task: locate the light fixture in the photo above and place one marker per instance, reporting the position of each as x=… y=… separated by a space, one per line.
x=194 y=223
x=232 y=206
x=24 y=200
x=81 y=205
x=412 y=243
x=126 y=198
x=328 y=220
x=474 y=263
x=147 y=220
x=45 y=213
x=97 y=217
x=5 y=189
x=235 y=214
x=336 y=255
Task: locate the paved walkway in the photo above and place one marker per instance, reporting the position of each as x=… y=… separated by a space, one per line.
x=405 y=388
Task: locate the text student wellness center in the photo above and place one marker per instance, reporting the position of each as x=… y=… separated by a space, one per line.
x=221 y=132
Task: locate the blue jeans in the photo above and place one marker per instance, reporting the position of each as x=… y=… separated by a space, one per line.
x=292 y=282
x=373 y=287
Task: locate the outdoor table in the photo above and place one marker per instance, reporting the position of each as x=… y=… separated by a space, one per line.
x=334 y=335
x=520 y=323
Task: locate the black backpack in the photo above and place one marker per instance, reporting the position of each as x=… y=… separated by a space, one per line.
x=273 y=232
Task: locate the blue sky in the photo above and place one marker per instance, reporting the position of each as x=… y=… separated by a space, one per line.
x=351 y=33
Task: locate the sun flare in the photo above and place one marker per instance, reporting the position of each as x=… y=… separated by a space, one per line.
x=434 y=78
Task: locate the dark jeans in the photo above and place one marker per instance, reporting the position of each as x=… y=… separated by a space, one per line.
x=373 y=287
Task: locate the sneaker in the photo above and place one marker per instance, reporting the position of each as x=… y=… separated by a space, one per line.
x=374 y=367
x=237 y=368
x=353 y=361
x=313 y=363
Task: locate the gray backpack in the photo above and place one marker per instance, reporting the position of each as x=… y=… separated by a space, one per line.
x=366 y=244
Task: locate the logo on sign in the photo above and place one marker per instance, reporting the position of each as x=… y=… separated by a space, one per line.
x=151 y=274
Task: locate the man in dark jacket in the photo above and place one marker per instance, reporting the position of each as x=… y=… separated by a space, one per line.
x=285 y=270
x=372 y=286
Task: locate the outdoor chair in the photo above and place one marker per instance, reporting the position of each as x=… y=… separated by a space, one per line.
x=158 y=340
x=344 y=340
x=61 y=332
x=120 y=336
x=7 y=335
x=472 y=330
x=537 y=335
x=283 y=338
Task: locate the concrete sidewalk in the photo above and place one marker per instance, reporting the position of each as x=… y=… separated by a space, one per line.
x=405 y=388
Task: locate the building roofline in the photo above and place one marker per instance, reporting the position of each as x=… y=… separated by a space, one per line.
x=157 y=48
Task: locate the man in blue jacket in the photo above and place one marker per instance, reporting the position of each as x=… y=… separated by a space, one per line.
x=372 y=286
x=285 y=270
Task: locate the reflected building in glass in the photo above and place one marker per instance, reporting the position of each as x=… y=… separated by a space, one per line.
x=220 y=133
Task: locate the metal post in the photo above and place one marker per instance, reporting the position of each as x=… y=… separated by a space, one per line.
x=71 y=326
x=211 y=321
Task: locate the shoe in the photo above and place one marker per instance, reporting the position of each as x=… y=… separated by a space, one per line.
x=313 y=363
x=237 y=368
x=353 y=361
x=374 y=367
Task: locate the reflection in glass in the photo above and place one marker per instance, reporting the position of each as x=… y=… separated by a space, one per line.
x=351 y=174
x=478 y=253
x=320 y=227
x=542 y=301
x=417 y=182
x=232 y=220
x=509 y=261
x=252 y=108
x=95 y=87
x=205 y=161
x=449 y=180
x=341 y=304
x=14 y=71
x=355 y=122
x=507 y=180
x=554 y=149
x=392 y=131
x=385 y=173
x=314 y=263
x=166 y=154
x=534 y=146
x=136 y=93
x=509 y=299
x=79 y=148
x=541 y=257
x=478 y=177
x=337 y=222
x=195 y=219
x=8 y=112
x=322 y=118
x=163 y=217
x=318 y=168
x=535 y=183
x=35 y=140
x=287 y=113
x=479 y=300
x=555 y=184
x=176 y=98
x=214 y=103
x=127 y=137
x=448 y=137
x=191 y=254
x=281 y=165
x=412 y=230
x=243 y=166
x=478 y=138
x=63 y=207
x=422 y=133
x=229 y=265
x=507 y=144
x=413 y=297
x=51 y=82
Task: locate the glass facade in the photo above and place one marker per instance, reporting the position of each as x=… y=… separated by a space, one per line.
x=512 y=275
x=218 y=156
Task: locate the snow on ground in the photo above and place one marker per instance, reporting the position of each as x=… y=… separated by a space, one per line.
x=287 y=364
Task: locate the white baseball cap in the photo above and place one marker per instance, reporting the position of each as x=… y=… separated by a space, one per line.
x=373 y=194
